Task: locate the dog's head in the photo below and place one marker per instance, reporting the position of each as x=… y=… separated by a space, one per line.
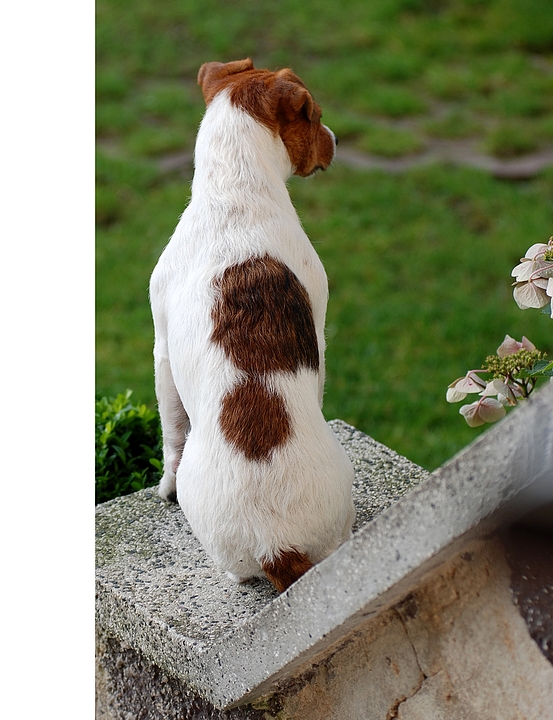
x=280 y=101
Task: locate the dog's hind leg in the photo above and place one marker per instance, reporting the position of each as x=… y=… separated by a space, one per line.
x=175 y=426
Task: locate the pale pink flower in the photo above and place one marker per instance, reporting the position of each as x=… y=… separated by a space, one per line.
x=531 y=277
x=531 y=293
x=537 y=250
x=482 y=411
x=510 y=346
x=459 y=389
x=534 y=256
x=505 y=394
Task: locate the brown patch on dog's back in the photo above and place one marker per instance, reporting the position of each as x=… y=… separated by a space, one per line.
x=254 y=420
x=285 y=569
x=263 y=318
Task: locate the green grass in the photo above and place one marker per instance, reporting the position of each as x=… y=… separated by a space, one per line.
x=510 y=140
x=418 y=263
x=389 y=142
x=453 y=124
x=387 y=59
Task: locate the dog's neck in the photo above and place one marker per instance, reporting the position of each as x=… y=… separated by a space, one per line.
x=237 y=158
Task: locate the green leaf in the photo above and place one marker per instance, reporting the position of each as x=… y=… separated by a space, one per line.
x=128 y=446
x=542 y=368
x=119 y=450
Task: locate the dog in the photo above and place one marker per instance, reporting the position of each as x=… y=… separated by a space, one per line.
x=238 y=301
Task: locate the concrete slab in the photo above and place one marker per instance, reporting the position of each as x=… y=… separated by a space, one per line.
x=456 y=648
x=158 y=591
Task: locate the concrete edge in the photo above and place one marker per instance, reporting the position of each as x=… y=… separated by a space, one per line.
x=503 y=473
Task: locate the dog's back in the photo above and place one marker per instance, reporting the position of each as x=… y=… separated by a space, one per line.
x=239 y=300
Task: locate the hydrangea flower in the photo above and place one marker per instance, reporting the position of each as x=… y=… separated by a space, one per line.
x=533 y=286
x=507 y=387
x=482 y=411
x=510 y=346
x=517 y=365
x=470 y=383
x=506 y=394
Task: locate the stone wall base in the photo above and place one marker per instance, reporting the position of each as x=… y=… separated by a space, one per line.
x=456 y=648
x=130 y=687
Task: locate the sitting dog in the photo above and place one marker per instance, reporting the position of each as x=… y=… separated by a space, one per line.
x=238 y=300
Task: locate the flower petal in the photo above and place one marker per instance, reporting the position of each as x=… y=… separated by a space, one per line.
x=470 y=413
x=522 y=271
x=471 y=383
x=496 y=387
x=536 y=249
x=509 y=346
x=528 y=268
x=491 y=410
x=547 y=271
x=452 y=395
x=527 y=344
x=528 y=295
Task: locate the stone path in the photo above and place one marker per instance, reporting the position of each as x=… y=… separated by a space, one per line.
x=455 y=152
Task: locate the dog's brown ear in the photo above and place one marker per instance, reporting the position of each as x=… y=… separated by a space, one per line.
x=211 y=74
x=296 y=98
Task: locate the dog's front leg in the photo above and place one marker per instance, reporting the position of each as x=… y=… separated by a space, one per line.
x=174 y=425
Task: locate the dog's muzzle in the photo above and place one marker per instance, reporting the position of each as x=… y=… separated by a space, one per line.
x=331 y=134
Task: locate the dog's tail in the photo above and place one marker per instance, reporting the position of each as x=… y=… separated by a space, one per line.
x=285 y=568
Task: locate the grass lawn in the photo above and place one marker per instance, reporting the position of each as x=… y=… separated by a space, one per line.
x=419 y=263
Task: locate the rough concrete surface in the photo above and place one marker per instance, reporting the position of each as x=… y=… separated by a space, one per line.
x=456 y=648
x=158 y=593
x=365 y=676
x=465 y=627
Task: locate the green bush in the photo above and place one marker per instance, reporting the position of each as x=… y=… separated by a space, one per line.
x=128 y=447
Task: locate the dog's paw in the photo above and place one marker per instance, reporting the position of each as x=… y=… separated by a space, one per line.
x=168 y=487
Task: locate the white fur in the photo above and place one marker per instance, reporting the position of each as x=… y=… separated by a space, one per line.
x=242 y=510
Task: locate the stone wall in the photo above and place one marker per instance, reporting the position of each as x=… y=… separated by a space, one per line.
x=455 y=648
x=439 y=607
